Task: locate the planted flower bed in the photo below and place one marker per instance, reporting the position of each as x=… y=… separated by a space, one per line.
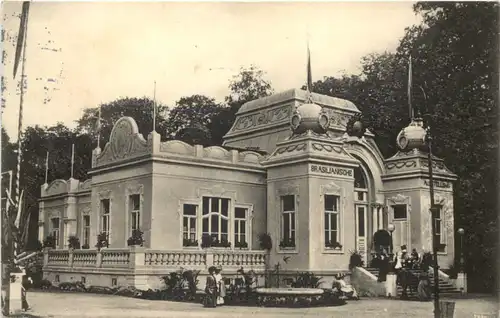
x=183 y=286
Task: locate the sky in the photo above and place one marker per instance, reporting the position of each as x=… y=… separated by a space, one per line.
x=82 y=54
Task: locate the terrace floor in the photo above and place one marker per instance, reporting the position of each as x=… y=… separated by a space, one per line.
x=48 y=304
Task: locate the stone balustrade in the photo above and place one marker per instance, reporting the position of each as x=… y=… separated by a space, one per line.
x=84 y=258
x=240 y=258
x=137 y=257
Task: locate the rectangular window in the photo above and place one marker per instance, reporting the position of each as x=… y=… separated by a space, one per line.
x=332 y=220
x=55 y=230
x=105 y=217
x=361 y=221
x=288 y=221
x=135 y=212
x=438 y=219
x=86 y=231
x=189 y=214
x=400 y=211
x=215 y=219
x=240 y=227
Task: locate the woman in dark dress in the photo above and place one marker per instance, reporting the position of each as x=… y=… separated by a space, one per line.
x=384 y=266
x=211 y=289
x=424 y=287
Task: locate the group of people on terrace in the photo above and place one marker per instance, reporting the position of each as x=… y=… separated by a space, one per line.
x=215 y=289
x=401 y=263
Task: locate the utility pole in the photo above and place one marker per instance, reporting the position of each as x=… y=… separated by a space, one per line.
x=433 y=210
x=8 y=240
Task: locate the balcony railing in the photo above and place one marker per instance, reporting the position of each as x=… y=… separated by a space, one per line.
x=129 y=258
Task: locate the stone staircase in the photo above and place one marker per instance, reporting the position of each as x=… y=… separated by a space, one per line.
x=446 y=288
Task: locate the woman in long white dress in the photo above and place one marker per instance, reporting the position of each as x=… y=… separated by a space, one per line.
x=221 y=288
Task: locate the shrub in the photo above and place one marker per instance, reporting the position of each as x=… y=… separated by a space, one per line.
x=356 y=260
x=102 y=241
x=188 y=242
x=44 y=284
x=206 y=241
x=50 y=241
x=241 y=245
x=265 y=241
x=34 y=246
x=306 y=280
x=74 y=242
x=181 y=285
x=136 y=238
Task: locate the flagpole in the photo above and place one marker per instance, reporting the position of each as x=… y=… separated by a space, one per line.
x=47 y=167
x=21 y=100
x=99 y=126
x=72 y=159
x=154 y=107
x=410 y=83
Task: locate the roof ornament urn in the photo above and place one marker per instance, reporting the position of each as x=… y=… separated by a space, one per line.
x=309 y=117
x=413 y=136
x=355 y=126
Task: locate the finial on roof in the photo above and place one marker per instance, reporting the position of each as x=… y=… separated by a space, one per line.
x=309 y=74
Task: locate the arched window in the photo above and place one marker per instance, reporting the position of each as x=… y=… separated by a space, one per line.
x=359 y=178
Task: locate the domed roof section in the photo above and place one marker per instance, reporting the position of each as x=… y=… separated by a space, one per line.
x=311 y=117
x=298 y=94
x=413 y=136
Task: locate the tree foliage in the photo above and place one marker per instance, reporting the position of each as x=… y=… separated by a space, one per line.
x=455 y=83
x=455 y=80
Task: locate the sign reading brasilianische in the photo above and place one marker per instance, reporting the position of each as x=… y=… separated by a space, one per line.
x=331 y=170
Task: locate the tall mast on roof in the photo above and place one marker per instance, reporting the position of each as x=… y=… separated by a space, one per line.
x=309 y=73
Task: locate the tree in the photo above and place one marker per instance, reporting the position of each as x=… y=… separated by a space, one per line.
x=455 y=81
x=249 y=84
x=141 y=109
x=193 y=115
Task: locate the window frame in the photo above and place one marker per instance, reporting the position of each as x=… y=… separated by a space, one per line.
x=289 y=213
x=57 y=230
x=133 y=189
x=394 y=219
x=442 y=230
x=132 y=212
x=248 y=224
x=326 y=216
x=101 y=218
x=83 y=227
x=197 y=222
x=334 y=189
x=220 y=217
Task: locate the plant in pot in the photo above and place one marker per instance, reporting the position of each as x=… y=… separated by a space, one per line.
x=356 y=260
x=136 y=239
x=206 y=241
x=266 y=243
x=50 y=242
x=241 y=244
x=102 y=241
x=333 y=245
x=73 y=242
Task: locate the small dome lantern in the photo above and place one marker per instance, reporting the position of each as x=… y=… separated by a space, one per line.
x=413 y=136
x=309 y=117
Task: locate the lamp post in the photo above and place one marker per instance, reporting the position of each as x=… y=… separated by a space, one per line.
x=461 y=233
x=434 y=210
x=391 y=229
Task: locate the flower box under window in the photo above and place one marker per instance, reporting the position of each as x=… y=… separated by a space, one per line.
x=333 y=245
x=441 y=247
x=189 y=243
x=241 y=245
x=287 y=244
